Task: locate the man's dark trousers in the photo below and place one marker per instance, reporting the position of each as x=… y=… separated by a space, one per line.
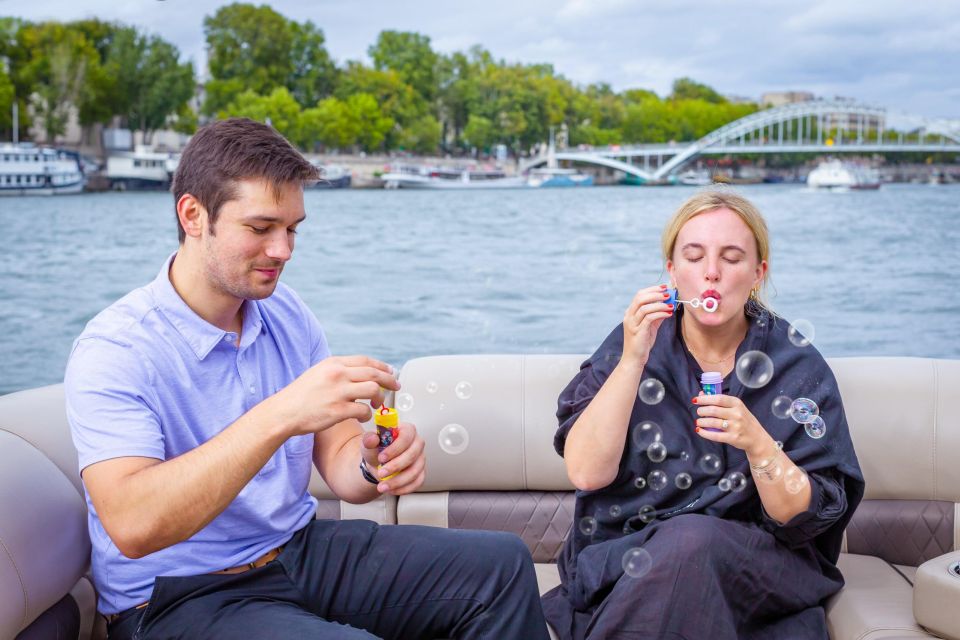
x=357 y=579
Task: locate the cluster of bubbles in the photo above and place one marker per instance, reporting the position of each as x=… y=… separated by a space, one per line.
x=733 y=481
x=453 y=438
x=803 y=411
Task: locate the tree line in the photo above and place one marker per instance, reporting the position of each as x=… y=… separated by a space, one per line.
x=268 y=67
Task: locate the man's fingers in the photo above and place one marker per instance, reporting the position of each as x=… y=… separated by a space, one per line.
x=403 y=478
x=364 y=374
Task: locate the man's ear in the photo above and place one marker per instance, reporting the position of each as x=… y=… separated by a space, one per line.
x=191 y=214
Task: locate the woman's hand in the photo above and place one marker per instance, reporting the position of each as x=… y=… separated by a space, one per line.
x=641 y=321
x=726 y=419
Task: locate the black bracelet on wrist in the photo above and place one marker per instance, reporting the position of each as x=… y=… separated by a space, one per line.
x=369 y=477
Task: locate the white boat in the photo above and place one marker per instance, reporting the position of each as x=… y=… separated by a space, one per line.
x=333 y=176
x=694 y=178
x=835 y=174
x=557 y=177
x=29 y=170
x=417 y=177
x=142 y=168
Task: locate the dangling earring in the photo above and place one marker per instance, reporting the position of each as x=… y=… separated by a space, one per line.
x=755 y=293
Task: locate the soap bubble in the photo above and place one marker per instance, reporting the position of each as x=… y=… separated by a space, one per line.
x=684 y=456
x=657 y=451
x=738 y=482
x=646 y=433
x=781 y=407
x=647 y=514
x=801 y=332
x=816 y=428
x=432 y=387
x=588 y=526
x=683 y=480
x=463 y=390
x=794 y=480
x=404 y=402
x=657 y=480
x=710 y=463
x=453 y=439
x=640 y=483
x=803 y=410
x=725 y=484
x=615 y=511
x=754 y=369
x=651 y=391
x=637 y=562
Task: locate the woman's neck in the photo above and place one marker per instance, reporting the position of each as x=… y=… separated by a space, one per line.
x=714 y=348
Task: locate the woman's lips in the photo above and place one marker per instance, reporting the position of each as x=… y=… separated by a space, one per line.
x=710 y=293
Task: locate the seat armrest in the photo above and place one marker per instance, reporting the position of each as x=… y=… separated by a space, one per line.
x=936 y=592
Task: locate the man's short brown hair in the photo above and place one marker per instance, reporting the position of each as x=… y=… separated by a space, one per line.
x=222 y=153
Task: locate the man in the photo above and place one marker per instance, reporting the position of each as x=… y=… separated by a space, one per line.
x=197 y=404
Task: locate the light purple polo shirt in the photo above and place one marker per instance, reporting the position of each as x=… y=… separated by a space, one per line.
x=149 y=377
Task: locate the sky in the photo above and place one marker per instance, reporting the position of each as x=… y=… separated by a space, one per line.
x=901 y=55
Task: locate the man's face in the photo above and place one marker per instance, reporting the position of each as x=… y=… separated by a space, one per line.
x=252 y=239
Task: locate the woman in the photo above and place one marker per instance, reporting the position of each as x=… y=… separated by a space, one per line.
x=704 y=515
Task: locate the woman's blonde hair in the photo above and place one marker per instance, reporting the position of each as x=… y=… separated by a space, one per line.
x=711 y=200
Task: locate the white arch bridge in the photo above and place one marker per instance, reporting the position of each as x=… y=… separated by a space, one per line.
x=818 y=126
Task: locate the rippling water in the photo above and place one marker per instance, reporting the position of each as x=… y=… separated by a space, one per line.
x=398 y=274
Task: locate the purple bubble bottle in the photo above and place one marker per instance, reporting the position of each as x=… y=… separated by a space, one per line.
x=712 y=384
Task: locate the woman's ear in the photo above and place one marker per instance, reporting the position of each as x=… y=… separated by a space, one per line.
x=761 y=273
x=670 y=266
x=190 y=213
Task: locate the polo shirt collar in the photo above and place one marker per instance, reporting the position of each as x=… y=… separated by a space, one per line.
x=199 y=334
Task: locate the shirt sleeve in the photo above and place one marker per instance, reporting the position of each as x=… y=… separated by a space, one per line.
x=574 y=399
x=828 y=503
x=110 y=404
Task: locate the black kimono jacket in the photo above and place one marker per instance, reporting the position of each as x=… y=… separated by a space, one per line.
x=612 y=515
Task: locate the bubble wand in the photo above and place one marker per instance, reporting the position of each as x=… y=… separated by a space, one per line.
x=709 y=304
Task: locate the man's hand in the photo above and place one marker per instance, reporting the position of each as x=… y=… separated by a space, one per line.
x=326 y=394
x=401 y=467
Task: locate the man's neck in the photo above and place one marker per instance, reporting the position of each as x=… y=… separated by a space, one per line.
x=216 y=307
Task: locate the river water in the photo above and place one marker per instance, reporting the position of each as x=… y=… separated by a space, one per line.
x=400 y=274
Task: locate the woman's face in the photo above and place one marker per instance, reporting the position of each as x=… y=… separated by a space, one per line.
x=716 y=256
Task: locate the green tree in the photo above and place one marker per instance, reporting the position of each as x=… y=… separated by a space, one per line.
x=410 y=55
x=278 y=108
x=249 y=50
x=479 y=132
x=313 y=76
x=422 y=135
x=56 y=63
x=329 y=124
x=687 y=89
x=372 y=124
x=256 y=48
x=151 y=86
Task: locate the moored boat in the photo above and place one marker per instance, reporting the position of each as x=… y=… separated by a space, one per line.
x=416 y=177
x=29 y=170
x=836 y=174
x=557 y=177
x=141 y=169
